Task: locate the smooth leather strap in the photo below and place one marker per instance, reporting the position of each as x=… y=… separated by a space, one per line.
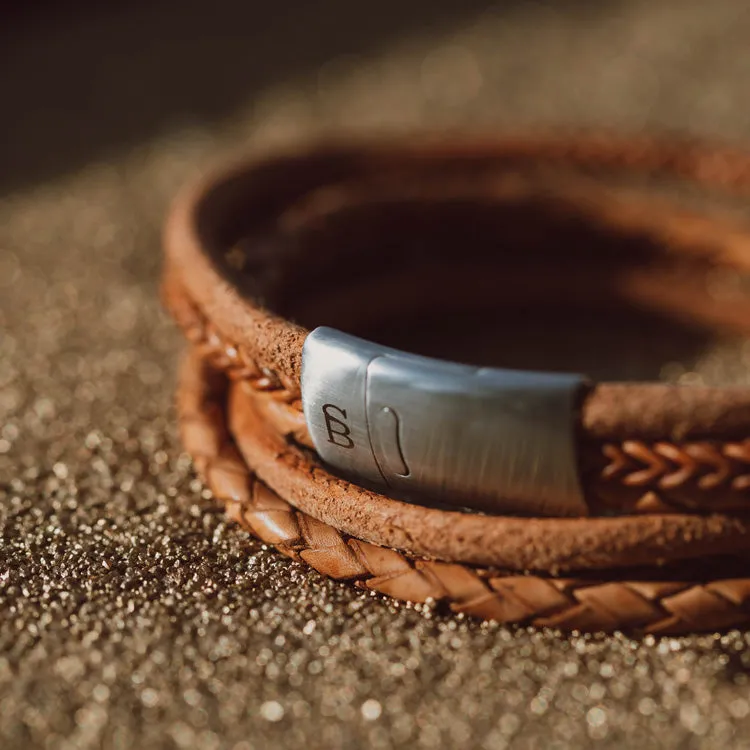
x=643 y=447
x=661 y=601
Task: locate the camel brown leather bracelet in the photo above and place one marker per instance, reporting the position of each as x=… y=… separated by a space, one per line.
x=373 y=231
x=664 y=600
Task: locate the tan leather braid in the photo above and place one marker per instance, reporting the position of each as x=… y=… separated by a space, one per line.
x=662 y=476
x=659 y=470
x=571 y=603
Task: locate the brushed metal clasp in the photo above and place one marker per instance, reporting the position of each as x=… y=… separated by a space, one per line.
x=492 y=439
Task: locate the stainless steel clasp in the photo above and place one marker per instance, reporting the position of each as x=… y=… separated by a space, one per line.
x=493 y=439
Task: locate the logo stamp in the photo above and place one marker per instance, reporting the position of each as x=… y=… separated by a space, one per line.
x=338 y=430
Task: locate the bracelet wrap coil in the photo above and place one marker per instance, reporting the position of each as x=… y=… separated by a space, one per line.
x=304 y=237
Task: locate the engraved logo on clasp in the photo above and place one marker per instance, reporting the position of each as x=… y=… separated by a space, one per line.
x=338 y=430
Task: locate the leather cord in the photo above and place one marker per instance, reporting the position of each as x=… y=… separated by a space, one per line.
x=646 y=447
x=651 y=601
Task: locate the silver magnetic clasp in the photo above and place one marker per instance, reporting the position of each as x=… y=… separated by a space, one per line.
x=492 y=439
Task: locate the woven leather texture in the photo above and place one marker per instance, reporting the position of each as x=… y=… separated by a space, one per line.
x=569 y=603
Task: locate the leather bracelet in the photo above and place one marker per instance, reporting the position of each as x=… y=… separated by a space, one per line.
x=660 y=601
x=640 y=447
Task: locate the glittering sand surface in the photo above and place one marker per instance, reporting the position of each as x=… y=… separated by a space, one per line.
x=131 y=614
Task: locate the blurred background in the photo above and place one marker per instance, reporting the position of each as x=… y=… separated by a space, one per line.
x=84 y=81
x=130 y=614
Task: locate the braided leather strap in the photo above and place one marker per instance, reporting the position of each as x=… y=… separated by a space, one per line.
x=648 y=604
